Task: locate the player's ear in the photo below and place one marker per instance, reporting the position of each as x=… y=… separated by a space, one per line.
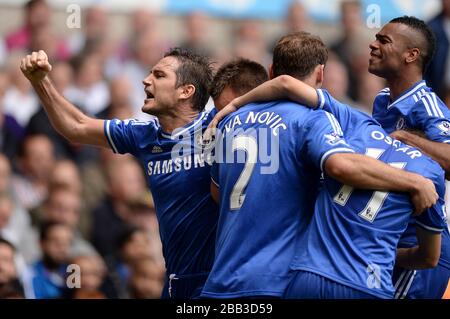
x=412 y=55
x=320 y=75
x=187 y=91
x=271 y=71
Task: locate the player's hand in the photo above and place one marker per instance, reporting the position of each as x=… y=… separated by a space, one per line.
x=424 y=195
x=229 y=108
x=35 y=66
x=399 y=135
x=210 y=132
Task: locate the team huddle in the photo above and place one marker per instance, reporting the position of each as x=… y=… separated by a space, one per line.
x=298 y=195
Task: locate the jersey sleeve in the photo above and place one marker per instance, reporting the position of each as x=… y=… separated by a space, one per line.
x=434 y=219
x=341 y=111
x=432 y=116
x=323 y=137
x=123 y=136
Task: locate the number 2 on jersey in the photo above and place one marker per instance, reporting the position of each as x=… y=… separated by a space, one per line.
x=250 y=146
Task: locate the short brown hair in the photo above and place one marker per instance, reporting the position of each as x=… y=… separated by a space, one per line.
x=297 y=54
x=194 y=69
x=241 y=75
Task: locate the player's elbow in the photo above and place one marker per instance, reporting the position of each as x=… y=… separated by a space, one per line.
x=339 y=167
x=77 y=132
x=285 y=83
x=430 y=261
x=430 y=258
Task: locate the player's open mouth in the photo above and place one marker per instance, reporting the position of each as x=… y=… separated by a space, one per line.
x=150 y=96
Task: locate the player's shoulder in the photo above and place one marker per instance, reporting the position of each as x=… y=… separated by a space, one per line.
x=428 y=102
x=424 y=165
x=133 y=123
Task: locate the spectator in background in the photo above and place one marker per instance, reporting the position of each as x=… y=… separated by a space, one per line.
x=49 y=279
x=94 y=180
x=19 y=93
x=11 y=133
x=95 y=29
x=141 y=21
x=16 y=223
x=249 y=42
x=146 y=53
x=35 y=163
x=37 y=15
x=355 y=38
x=142 y=216
x=369 y=86
x=62 y=77
x=63 y=207
x=44 y=38
x=438 y=73
x=120 y=106
x=297 y=18
x=125 y=182
x=147 y=279
x=133 y=244
x=336 y=80
x=93 y=271
x=90 y=92
x=10 y=286
x=196 y=26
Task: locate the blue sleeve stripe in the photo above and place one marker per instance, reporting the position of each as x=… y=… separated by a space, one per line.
x=108 y=136
x=334 y=150
x=429 y=228
x=321 y=98
x=215 y=183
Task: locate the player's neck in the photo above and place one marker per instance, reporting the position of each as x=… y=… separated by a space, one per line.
x=183 y=116
x=398 y=85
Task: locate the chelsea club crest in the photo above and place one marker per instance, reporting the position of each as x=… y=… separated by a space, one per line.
x=400 y=125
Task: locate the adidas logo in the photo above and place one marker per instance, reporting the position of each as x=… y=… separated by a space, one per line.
x=156 y=149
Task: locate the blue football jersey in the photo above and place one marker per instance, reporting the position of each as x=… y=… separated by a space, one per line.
x=353 y=235
x=267 y=167
x=178 y=174
x=417 y=108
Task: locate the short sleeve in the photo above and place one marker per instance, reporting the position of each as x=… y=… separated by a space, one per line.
x=432 y=116
x=323 y=137
x=123 y=136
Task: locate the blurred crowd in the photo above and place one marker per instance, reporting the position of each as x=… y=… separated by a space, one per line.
x=63 y=204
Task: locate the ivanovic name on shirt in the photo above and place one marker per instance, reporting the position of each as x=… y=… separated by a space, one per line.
x=271 y=119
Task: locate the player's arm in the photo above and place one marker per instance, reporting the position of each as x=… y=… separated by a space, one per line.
x=281 y=87
x=425 y=255
x=440 y=152
x=67 y=119
x=364 y=172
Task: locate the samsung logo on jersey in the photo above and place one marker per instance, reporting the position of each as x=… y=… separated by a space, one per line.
x=412 y=153
x=177 y=164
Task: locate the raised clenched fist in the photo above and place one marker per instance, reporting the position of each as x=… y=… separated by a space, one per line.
x=35 y=66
